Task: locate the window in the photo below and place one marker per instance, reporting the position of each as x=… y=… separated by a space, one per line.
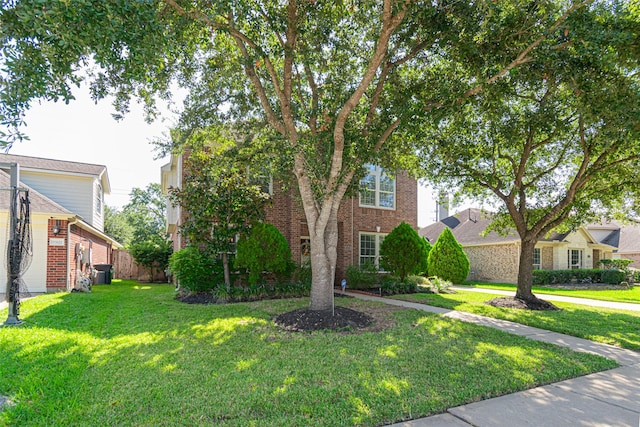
x=99 y=198
x=377 y=189
x=574 y=258
x=370 y=248
x=537 y=264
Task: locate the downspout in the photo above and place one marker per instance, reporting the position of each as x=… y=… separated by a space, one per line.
x=69 y=224
x=353 y=248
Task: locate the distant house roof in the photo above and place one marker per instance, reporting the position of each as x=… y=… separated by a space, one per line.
x=625 y=237
x=38 y=202
x=468 y=227
x=38 y=163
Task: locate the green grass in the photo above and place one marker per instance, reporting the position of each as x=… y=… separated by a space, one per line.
x=617 y=327
x=623 y=295
x=130 y=354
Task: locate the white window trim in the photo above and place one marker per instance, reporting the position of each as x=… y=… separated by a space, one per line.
x=537 y=266
x=99 y=208
x=580 y=259
x=377 y=247
x=377 y=172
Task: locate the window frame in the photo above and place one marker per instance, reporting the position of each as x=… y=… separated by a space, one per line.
x=537 y=253
x=379 y=175
x=378 y=239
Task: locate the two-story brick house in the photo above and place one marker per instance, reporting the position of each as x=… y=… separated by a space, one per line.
x=363 y=221
x=67 y=219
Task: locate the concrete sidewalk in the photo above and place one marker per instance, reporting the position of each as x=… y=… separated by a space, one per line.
x=561 y=298
x=609 y=398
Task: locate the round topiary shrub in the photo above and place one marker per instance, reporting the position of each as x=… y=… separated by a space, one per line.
x=263 y=249
x=447 y=260
x=404 y=252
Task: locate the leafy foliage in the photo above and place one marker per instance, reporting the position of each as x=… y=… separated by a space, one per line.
x=220 y=198
x=447 y=260
x=555 y=141
x=404 y=252
x=263 y=249
x=152 y=254
x=146 y=213
x=195 y=270
x=116 y=225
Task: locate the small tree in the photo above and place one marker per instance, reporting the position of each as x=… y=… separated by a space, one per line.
x=220 y=198
x=404 y=252
x=264 y=248
x=447 y=260
x=152 y=254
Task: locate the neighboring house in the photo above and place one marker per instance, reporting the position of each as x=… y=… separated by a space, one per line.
x=495 y=258
x=67 y=218
x=362 y=221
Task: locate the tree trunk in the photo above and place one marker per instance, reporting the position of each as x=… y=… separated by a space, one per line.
x=225 y=268
x=324 y=240
x=525 y=269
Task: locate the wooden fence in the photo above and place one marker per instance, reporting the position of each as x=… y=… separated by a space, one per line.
x=125 y=267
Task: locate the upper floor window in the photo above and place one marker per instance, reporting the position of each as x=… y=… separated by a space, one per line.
x=377 y=189
x=99 y=198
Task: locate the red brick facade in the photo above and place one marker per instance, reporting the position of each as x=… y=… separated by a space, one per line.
x=59 y=255
x=287 y=215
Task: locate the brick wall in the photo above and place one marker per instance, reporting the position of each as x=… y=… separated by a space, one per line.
x=495 y=263
x=287 y=215
x=100 y=248
x=57 y=257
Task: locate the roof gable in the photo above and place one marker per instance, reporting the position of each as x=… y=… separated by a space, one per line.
x=38 y=202
x=52 y=165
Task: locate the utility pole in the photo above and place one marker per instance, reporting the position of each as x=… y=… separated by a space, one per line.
x=12 y=296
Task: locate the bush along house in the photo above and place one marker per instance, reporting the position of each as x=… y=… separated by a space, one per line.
x=385 y=200
x=67 y=221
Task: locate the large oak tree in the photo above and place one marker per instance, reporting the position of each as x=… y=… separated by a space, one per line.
x=557 y=142
x=341 y=83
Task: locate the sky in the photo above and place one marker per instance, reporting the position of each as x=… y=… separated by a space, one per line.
x=83 y=131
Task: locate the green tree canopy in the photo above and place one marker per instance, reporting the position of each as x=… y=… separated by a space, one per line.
x=146 y=213
x=116 y=225
x=555 y=141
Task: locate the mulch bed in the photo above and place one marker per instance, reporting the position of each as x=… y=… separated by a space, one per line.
x=341 y=318
x=513 y=302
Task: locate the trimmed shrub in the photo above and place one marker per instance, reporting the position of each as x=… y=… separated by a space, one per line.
x=554 y=277
x=613 y=277
x=264 y=249
x=194 y=270
x=447 y=260
x=404 y=252
x=362 y=277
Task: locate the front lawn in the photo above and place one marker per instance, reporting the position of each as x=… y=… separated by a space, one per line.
x=130 y=354
x=617 y=327
x=616 y=295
